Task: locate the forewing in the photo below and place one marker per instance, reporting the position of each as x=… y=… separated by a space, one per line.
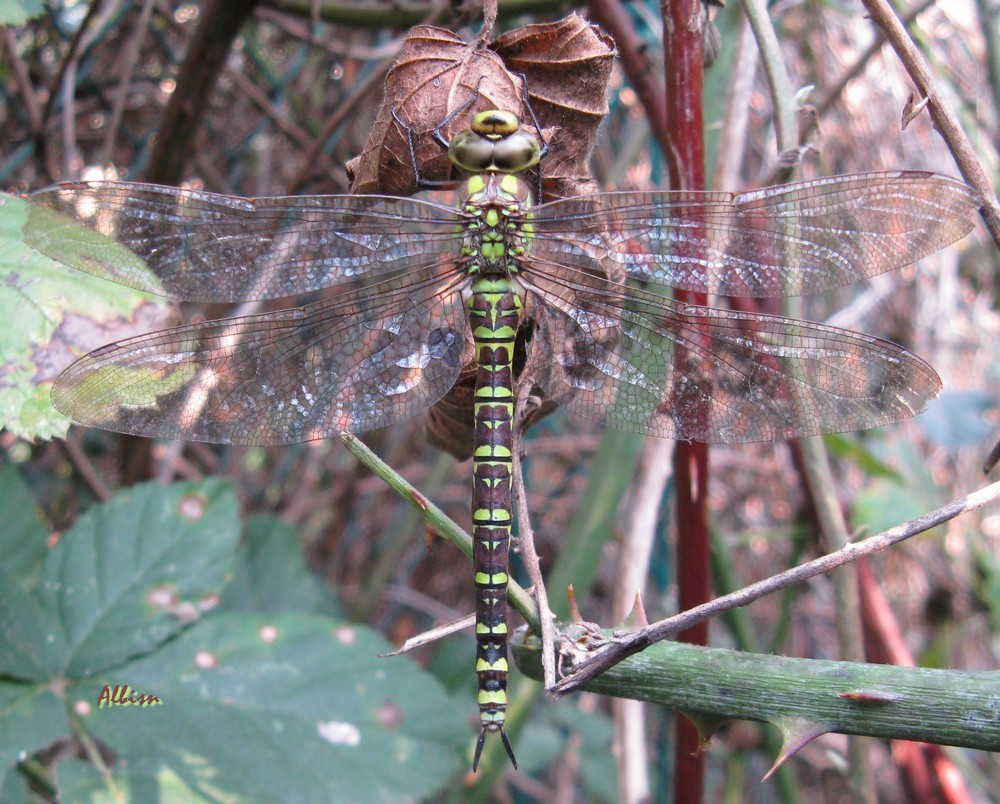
x=361 y=360
x=197 y=246
x=780 y=241
x=639 y=362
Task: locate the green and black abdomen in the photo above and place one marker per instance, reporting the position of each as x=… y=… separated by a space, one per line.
x=495 y=314
x=496 y=239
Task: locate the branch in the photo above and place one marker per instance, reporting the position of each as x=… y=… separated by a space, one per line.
x=635 y=641
x=219 y=26
x=804 y=697
x=944 y=119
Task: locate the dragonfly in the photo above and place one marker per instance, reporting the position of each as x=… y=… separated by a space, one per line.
x=404 y=293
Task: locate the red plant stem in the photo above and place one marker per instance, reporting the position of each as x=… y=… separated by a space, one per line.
x=682 y=44
x=930 y=773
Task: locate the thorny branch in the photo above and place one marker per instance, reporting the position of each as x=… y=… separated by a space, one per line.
x=625 y=645
x=944 y=119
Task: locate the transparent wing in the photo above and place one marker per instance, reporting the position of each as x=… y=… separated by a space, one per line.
x=780 y=241
x=636 y=361
x=197 y=246
x=361 y=360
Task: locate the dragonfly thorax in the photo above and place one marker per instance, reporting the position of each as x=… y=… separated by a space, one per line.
x=497 y=232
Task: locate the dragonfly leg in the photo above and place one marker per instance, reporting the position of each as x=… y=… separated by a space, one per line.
x=526 y=102
x=422 y=181
x=438 y=136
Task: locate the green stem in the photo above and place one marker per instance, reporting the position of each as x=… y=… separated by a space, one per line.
x=436 y=519
x=782 y=95
x=804 y=696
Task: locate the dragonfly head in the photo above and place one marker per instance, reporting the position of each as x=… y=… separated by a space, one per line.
x=494 y=143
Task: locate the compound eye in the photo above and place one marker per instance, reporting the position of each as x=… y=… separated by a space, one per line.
x=471 y=151
x=516 y=152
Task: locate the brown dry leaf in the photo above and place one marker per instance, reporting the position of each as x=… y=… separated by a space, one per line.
x=450 y=426
x=566 y=65
x=435 y=73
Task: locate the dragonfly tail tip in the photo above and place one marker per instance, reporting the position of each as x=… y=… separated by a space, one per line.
x=481 y=741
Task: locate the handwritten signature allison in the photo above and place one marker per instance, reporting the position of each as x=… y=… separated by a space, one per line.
x=122 y=695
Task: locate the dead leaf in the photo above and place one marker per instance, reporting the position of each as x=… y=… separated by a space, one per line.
x=435 y=73
x=565 y=65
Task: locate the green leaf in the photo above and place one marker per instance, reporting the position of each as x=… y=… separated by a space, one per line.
x=81 y=781
x=283 y=706
x=89 y=248
x=887 y=500
x=32 y=645
x=23 y=535
x=18 y=12
x=593 y=522
x=543 y=741
x=134 y=571
x=856 y=449
x=61 y=313
x=14 y=789
x=31 y=718
x=271 y=574
x=251 y=707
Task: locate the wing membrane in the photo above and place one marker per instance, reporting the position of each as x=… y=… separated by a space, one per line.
x=198 y=246
x=780 y=241
x=392 y=337
x=362 y=360
x=636 y=361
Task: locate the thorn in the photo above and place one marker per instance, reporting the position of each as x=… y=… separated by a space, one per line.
x=574 y=608
x=637 y=617
x=870 y=696
x=640 y=610
x=430 y=535
x=911 y=109
x=797 y=733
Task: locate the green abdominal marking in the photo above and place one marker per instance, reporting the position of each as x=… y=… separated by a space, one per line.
x=495 y=313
